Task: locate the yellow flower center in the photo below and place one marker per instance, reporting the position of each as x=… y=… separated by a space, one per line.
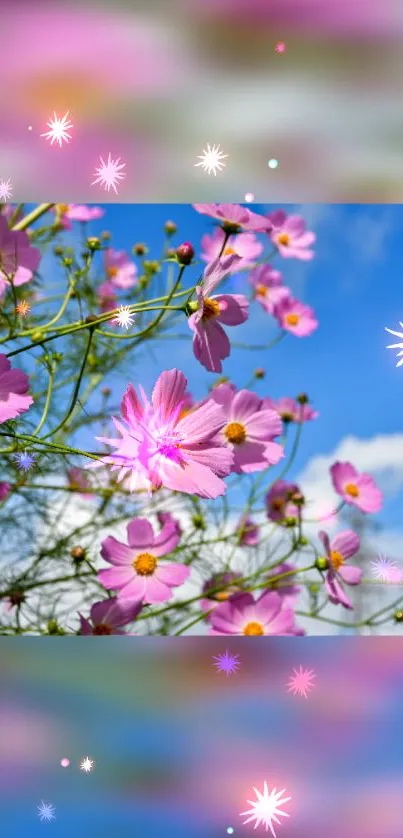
x=229 y=251
x=62 y=208
x=253 y=629
x=112 y=270
x=235 y=433
x=211 y=308
x=292 y=319
x=336 y=559
x=102 y=628
x=261 y=290
x=222 y=596
x=145 y=564
x=277 y=504
x=351 y=489
x=284 y=239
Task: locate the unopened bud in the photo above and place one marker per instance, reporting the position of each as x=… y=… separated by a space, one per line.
x=260 y=372
x=322 y=563
x=78 y=554
x=185 y=253
x=170 y=228
x=93 y=243
x=302 y=398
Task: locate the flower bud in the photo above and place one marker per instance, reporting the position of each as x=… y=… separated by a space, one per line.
x=78 y=554
x=170 y=228
x=198 y=522
x=260 y=372
x=17 y=597
x=58 y=250
x=105 y=235
x=302 y=398
x=398 y=616
x=322 y=563
x=93 y=243
x=139 y=249
x=185 y=253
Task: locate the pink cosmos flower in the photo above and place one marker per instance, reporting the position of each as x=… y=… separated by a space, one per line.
x=120 y=270
x=291 y=411
x=289 y=235
x=279 y=503
x=77 y=212
x=78 y=480
x=233 y=217
x=137 y=574
x=268 y=287
x=4 y=490
x=167 y=518
x=356 y=488
x=248 y=532
x=245 y=616
x=295 y=317
x=210 y=342
x=108 y=616
x=284 y=587
x=158 y=448
x=342 y=547
x=249 y=430
x=14 y=385
x=244 y=245
x=18 y=260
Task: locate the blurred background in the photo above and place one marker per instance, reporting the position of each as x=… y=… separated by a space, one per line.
x=178 y=746
x=153 y=83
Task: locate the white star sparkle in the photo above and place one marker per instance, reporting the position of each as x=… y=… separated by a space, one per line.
x=385 y=570
x=124 y=317
x=46 y=812
x=86 y=764
x=265 y=808
x=58 y=129
x=109 y=174
x=211 y=159
x=6 y=190
x=396 y=345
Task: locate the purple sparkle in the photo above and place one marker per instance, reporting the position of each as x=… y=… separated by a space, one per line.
x=226 y=663
x=24 y=461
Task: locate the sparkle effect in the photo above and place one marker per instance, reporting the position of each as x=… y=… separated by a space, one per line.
x=58 y=129
x=87 y=764
x=109 y=174
x=385 y=570
x=301 y=682
x=46 y=812
x=273 y=163
x=265 y=808
x=280 y=47
x=124 y=317
x=396 y=345
x=24 y=461
x=22 y=308
x=211 y=159
x=6 y=190
x=249 y=197
x=226 y=663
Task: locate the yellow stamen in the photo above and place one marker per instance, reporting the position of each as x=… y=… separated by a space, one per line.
x=112 y=271
x=229 y=251
x=235 y=433
x=336 y=559
x=283 y=239
x=261 y=290
x=145 y=564
x=351 y=489
x=253 y=629
x=211 y=308
x=292 y=319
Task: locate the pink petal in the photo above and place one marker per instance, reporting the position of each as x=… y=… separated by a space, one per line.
x=234 y=309
x=351 y=575
x=115 y=577
x=156 y=591
x=347 y=543
x=166 y=540
x=172 y=573
x=115 y=552
x=169 y=392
